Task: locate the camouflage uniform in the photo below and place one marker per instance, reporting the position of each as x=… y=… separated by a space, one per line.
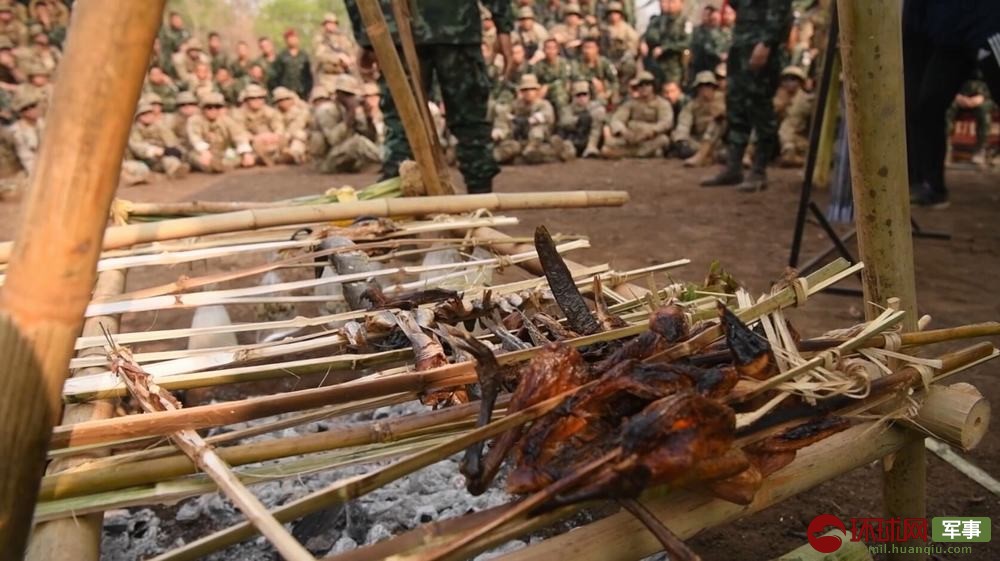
x=224 y=138
x=338 y=43
x=700 y=120
x=167 y=92
x=156 y=146
x=42 y=93
x=184 y=65
x=220 y=60
x=667 y=32
x=341 y=146
x=171 y=39
x=602 y=71
x=557 y=77
x=293 y=72
x=708 y=44
x=566 y=35
x=639 y=128
x=265 y=126
x=981 y=113
x=794 y=130
x=296 y=122
x=525 y=129
x=583 y=125
x=230 y=90
x=177 y=121
x=532 y=39
x=749 y=94
x=27 y=137
x=448 y=34
x=16 y=31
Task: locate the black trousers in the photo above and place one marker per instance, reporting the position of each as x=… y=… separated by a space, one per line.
x=933 y=76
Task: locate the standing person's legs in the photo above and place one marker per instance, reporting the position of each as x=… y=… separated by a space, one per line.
x=397 y=147
x=738 y=122
x=946 y=70
x=760 y=112
x=465 y=90
x=916 y=53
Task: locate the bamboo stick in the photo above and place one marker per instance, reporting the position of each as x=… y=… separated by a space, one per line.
x=958 y=414
x=123 y=236
x=964 y=466
x=79 y=538
x=402 y=96
x=154 y=399
x=52 y=265
x=871 y=54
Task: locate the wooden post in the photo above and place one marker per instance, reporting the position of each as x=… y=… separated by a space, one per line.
x=871 y=53
x=53 y=266
x=402 y=95
x=79 y=538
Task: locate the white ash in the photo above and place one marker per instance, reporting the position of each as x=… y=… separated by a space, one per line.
x=433 y=493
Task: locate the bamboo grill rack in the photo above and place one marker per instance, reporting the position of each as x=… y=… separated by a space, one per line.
x=45 y=331
x=142 y=470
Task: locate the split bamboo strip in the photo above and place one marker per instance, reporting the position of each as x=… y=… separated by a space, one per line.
x=79 y=538
x=53 y=263
x=871 y=54
x=964 y=466
x=123 y=236
x=848 y=551
x=221 y=296
x=87 y=480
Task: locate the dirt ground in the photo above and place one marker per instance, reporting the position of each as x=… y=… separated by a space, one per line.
x=670 y=217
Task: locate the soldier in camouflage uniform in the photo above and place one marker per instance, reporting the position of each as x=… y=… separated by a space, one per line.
x=329 y=67
x=708 y=42
x=173 y=35
x=524 y=131
x=295 y=116
x=554 y=73
x=530 y=34
x=640 y=127
x=38 y=85
x=793 y=133
x=599 y=72
x=11 y=26
x=187 y=107
x=448 y=34
x=793 y=81
x=159 y=83
x=581 y=123
x=504 y=89
x=187 y=62
x=228 y=86
x=753 y=71
x=333 y=41
x=342 y=146
x=571 y=33
x=27 y=130
x=666 y=40
x=621 y=43
x=267 y=58
x=292 y=69
x=241 y=63
x=263 y=123
x=217 y=55
x=549 y=12
x=39 y=51
x=200 y=81
x=217 y=142
x=373 y=113
x=154 y=143
x=701 y=122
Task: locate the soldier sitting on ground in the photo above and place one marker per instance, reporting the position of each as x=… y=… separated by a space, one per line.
x=530 y=34
x=553 y=72
x=263 y=123
x=38 y=84
x=793 y=132
x=523 y=131
x=218 y=143
x=581 y=123
x=598 y=70
x=342 y=146
x=373 y=114
x=27 y=130
x=295 y=116
x=152 y=142
x=158 y=82
x=793 y=80
x=700 y=123
x=187 y=107
x=639 y=128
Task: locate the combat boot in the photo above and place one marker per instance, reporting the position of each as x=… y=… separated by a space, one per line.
x=732 y=174
x=757 y=179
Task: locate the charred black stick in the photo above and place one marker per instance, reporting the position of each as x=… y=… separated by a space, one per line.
x=675 y=548
x=563 y=286
x=489 y=372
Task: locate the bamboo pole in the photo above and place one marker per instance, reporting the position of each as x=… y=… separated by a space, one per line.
x=123 y=236
x=402 y=95
x=79 y=538
x=871 y=54
x=848 y=551
x=53 y=264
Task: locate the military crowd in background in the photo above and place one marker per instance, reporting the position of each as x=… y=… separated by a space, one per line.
x=583 y=82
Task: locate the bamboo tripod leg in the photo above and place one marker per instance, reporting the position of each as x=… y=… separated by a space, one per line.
x=402 y=95
x=871 y=50
x=79 y=538
x=53 y=266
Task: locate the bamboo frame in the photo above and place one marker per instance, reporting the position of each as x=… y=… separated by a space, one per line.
x=53 y=263
x=118 y=237
x=871 y=52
